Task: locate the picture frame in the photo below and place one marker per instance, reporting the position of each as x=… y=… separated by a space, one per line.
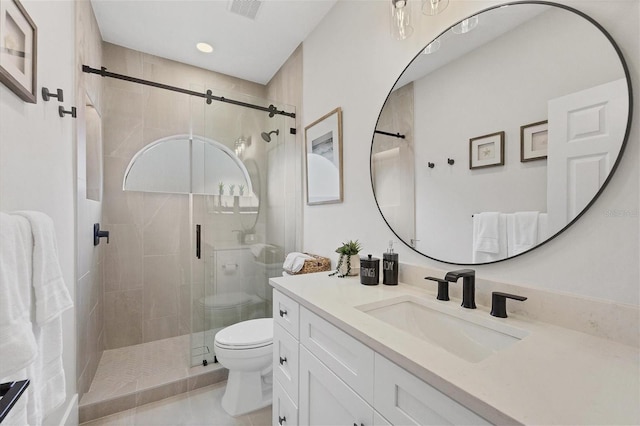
x=323 y=153
x=486 y=151
x=534 y=139
x=18 y=50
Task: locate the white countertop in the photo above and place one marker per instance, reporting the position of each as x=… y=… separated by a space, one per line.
x=552 y=376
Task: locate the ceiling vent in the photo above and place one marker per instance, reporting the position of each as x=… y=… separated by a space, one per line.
x=247 y=8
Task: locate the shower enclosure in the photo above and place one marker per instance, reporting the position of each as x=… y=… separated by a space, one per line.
x=240 y=228
x=227 y=175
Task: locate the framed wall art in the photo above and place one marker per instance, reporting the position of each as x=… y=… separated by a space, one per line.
x=18 y=50
x=486 y=151
x=534 y=138
x=323 y=148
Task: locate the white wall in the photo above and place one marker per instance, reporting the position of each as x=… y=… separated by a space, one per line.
x=351 y=61
x=37 y=153
x=500 y=86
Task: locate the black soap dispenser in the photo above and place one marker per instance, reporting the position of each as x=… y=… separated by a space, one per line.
x=369 y=270
x=390 y=266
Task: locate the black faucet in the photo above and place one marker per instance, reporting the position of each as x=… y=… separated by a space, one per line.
x=468 y=285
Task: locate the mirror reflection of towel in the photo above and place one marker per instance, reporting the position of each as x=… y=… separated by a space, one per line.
x=486 y=237
x=522 y=232
x=489 y=237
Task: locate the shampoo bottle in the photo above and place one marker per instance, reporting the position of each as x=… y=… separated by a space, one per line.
x=390 y=266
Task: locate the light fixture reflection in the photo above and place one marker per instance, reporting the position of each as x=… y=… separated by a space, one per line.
x=432 y=47
x=240 y=145
x=401 y=19
x=466 y=25
x=433 y=7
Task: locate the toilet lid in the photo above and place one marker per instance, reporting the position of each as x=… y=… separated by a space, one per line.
x=246 y=334
x=228 y=300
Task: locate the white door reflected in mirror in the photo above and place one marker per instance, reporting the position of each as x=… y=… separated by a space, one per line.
x=512 y=71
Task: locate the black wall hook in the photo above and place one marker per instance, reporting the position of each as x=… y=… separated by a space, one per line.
x=62 y=112
x=431 y=165
x=47 y=95
x=97 y=234
x=450 y=161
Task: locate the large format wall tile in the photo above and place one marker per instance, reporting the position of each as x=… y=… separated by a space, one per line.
x=166 y=217
x=161 y=282
x=160 y=328
x=123 y=269
x=123 y=311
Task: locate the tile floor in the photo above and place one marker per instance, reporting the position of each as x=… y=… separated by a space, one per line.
x=199 y=407
x=132 y=376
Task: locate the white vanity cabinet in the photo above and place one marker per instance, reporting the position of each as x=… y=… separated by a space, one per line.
x=330 y=378
x=406 y=400
x=285 y=360
x=327 y=400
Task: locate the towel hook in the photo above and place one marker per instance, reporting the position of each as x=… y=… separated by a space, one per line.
x=47 y=95
x=431 y=165
x=97 y=234
x=62 y=112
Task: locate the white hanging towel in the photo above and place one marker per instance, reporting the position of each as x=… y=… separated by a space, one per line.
x=18 y=346
x=51 y=300
x=489 y=237
x=522 y=232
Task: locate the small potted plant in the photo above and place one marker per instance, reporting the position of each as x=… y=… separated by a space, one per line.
x=232 y=189
x=349 y=261
x=241 y=189
x=221 y=188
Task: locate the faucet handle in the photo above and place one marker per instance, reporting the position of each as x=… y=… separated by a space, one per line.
x=499 y=303
x=443 y=288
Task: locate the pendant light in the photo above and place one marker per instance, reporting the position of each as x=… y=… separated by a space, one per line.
x=401 y=19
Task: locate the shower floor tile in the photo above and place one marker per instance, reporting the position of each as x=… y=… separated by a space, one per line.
x=195 y=408
x=132 y=376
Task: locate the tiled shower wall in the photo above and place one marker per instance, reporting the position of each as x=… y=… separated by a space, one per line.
x=147 y=292
x=90 y=259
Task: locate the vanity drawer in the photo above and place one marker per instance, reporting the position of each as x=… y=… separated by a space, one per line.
x=286 y=312
x=345 y=356
x=404 y=399
x=285 y=361
x=284 y=411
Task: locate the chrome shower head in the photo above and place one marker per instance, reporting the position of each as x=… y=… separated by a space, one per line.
x=267 y=136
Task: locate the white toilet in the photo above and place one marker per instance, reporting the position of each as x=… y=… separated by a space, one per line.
x=246 y=349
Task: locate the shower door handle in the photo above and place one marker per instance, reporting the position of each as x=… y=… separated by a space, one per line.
x=198 y=241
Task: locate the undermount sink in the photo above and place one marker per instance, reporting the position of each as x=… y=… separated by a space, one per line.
x=464 y=334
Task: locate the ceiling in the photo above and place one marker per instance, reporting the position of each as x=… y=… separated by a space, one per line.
x=251 y=49
x=491 y=25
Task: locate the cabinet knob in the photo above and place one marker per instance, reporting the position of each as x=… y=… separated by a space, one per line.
x=281 y=420
x=283 y=360
x=283 y=313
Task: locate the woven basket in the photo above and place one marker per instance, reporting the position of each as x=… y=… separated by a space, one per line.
x=317 y=264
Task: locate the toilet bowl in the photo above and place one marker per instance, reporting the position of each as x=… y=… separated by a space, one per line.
x=246 y=349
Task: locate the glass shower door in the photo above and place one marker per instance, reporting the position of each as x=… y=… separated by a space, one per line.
x=238 y=210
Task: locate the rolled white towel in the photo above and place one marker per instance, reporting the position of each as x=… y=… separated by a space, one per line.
x=294 y=262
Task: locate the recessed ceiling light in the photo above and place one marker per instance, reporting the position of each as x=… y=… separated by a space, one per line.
x=204 y=47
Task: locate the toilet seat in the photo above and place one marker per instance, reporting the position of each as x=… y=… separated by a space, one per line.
x=245 y=335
